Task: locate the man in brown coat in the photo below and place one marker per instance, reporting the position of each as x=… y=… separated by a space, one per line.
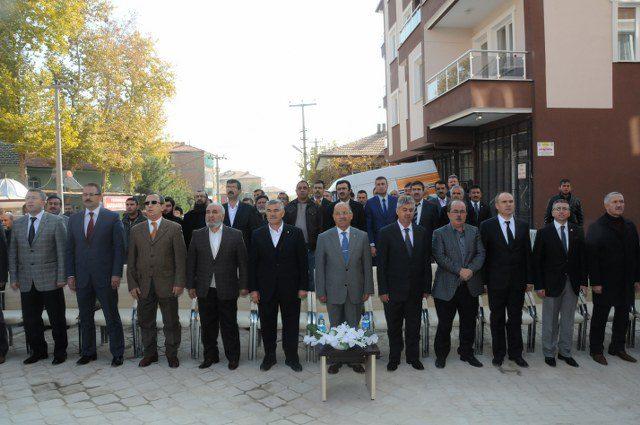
x=156 y=276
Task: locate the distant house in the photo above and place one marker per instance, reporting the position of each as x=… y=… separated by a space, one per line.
x=196 y=166
x=248 y=181
x=372 y=146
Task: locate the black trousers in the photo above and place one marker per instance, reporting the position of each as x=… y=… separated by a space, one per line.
x=215 y=315
x=4 y=342
x=467 y=308
x=290 y=312
x=618 y=331
x=397 y=312
x=108 y=298
x=33 y=303
x=511 y=300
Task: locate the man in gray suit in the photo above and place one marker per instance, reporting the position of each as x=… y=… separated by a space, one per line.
x=36 y=267
x=344 y=277
x=458 y=250
x=217 y=273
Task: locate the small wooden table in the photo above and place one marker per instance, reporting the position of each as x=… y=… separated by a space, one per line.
x=366 y=356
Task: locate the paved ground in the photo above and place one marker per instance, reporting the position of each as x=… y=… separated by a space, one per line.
x=459 y=394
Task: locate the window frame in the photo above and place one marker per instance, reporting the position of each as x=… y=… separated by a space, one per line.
x=615 y=31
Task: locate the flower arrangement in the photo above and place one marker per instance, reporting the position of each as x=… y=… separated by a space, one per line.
x=341 y=337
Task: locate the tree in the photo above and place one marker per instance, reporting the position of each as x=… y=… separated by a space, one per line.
x=157 y=176
x=344 y=165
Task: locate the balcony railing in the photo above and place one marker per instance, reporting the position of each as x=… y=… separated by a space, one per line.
x=410 y=25
x=478 y=65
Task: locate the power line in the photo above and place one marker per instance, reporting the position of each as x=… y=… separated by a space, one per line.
x=302 y=105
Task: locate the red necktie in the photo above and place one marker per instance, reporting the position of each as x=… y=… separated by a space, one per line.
x=90 y=226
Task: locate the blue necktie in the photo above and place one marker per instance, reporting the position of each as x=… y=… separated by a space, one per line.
x=384 y=206
x=564 y=240
x=345 y=247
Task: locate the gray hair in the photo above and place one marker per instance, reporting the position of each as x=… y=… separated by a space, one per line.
x=40 y=192
x=495 y=200
x=404 y=200
x=458 y=187
x=160 y=197
x=343 y=204
x=217 y=204
x=277 y=202
x=456 y=201
x=610 y=195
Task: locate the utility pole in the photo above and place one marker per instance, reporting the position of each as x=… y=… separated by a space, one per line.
x=56 y=86
x=218 y=158
x=302 y=105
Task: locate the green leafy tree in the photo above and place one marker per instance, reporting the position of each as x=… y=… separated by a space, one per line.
x=158 y=176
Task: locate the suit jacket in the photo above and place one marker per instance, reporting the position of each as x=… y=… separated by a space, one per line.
x=246 y=220
x=399 y=275
x=443 y=218
x=484 y=212
x=279 y=271
x=42 y=263
x=430 y=216
x=313 y=219
x=4 y=258
x=229 y=266
x=551 y=266
x=576 y=217
x=337 y=280
x=325 y=213
x=100 y=257
x=376 y=219
x=450 y=259
x=504 y=265
x=161 y=260
x=613 y=260
x=193 y=220
x=358 y=221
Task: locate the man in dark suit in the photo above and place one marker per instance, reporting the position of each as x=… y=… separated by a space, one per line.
x=278 y=278
x=477 y=210
x=459 y=252
x=565 y=192
x=379 y=211
x=507 y=275
x=217 y=274
x=343 y=188
x=194 y=219
x=4 y=270
x=319 y=197
x=441 y=200
x=613 y=259
x=404 y=278
x=239 y=215
x=559 y=273
x=261 y=207
x=95 y=258
x=425 y=214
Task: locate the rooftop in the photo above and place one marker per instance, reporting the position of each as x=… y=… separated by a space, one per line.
x=238 y=175
x=372 y=145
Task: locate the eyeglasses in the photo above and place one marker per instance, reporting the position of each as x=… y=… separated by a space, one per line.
x=458 y=212
x=89 y=195
x=151 y=202
x=561 y=208
x=340 y=213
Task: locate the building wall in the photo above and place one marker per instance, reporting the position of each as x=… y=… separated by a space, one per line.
x=190 y=165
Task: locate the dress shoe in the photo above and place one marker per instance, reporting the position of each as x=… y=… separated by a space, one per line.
x=417 y=364
x=86 y=359
x=440 y=362
x=233 y=364
x=59 y=359
x=206 y=363
x=568 y=360
x=600 y=358
x=173 y=362
x=624 y=356
x=117 y=361
x=334 y=368
x=294 y=365
x=472 y=360
x=551 y=361
x=497 y=361
x=267 y=363
x=146 y=361
x=357 y=368
x=391 y=366
x=519 y=361
x=2 y=359
x=34 y=358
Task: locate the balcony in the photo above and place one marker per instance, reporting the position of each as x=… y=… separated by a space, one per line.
x=478 y=65
x=409 y=26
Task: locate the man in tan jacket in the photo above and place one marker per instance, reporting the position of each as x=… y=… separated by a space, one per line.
x=156 y=275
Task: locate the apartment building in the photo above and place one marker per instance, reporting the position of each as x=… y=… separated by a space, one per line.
x=516 y=94
x=195 y=165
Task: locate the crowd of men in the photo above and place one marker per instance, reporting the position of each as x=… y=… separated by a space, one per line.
x=276 y=251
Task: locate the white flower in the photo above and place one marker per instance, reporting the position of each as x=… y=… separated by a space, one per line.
x=340 y=337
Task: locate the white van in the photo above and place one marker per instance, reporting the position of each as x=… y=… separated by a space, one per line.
x=397 y=176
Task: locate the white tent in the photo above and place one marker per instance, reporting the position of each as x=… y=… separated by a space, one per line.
x=12 y=190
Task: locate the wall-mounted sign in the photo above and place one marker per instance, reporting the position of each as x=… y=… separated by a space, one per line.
x=522 y=171
x=546 y=149
x=114 y=202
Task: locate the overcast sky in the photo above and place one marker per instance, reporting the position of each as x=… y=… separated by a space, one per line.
x=239 y=64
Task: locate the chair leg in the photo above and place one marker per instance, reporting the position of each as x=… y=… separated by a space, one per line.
x=10 y=332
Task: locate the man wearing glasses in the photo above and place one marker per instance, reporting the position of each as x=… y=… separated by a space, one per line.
x=156 y=274
x=95 y=258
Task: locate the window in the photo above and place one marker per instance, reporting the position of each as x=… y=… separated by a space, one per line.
x=417 y=89
x=393 y=44
x=393 y=112
x=34 y=183
x=627 y=29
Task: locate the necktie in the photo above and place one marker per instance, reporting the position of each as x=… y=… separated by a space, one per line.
x=563 y=236
x=415 y=214
x=154 y=224
x=407 y=241
x=477 y=210
x=90 y=225
x=345 y=247
x=510 y=237
x=384 y=206
x=32 y=229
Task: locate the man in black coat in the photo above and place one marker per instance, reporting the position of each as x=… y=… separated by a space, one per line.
x=343 y=188
x=168 y=210
x=613 y=258
x=507 y=275
x=576 y=217
x=441 y=200
x=559 y=273
x=278 y=278
x=477 y=210
x=239 y=215
x=195 y=219
x=324 y=204
x=425 y=213
x=404 y=278
x=4 y=273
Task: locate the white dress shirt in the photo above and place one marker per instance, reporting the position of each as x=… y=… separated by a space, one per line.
x=418 y=211
x=36 y=223
x=386 y=201
x=503 y=227
x=404 y=233
x=442 y=202
x=232 y=212
x=566 y=231
x=87 y=218
x=151 y=227
x=214 y=241
x=275 y=234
